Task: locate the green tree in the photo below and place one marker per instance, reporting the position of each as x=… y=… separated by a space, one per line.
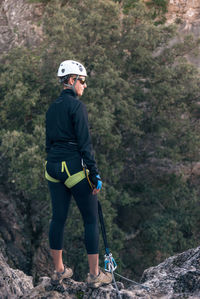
x=157 y=164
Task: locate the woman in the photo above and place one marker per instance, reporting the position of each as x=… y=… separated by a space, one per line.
x=68 y=147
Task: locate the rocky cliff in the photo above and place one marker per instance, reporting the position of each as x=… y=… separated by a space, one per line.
x=20 y=24
x=177 y=277
x=20 y=21
x=17 y=240
x=187 y=12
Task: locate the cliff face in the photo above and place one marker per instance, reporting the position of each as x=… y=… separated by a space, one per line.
x=20 y=21
x=188 y=11
x=176 y=278
x=17 y=239
x=19 y=24
x=187 y=14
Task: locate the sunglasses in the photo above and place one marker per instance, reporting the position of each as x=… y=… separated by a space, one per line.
x=81 y=80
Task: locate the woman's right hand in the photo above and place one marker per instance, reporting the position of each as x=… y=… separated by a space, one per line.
x=95 y=191
x=96 y=180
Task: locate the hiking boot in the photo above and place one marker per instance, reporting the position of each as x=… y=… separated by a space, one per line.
x=58 y=277
x=99 y=280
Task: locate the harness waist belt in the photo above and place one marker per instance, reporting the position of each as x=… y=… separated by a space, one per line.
x=72 y=180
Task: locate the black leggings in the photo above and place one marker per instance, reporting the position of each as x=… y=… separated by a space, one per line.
x=60 y=198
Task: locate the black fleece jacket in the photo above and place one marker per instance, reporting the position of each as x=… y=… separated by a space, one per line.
x=67 y=131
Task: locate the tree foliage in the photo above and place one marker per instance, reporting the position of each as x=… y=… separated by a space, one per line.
x=142 y=99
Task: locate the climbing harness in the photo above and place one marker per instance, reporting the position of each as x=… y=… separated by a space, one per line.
x=72 y=180
x=110 y=264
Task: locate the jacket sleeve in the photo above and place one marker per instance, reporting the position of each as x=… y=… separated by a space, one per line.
x=80 y=118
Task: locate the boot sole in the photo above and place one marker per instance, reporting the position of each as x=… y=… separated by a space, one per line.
x=56 y=282
x=97 y=285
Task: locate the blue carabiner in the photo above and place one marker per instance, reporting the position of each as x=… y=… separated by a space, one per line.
x=110 y=264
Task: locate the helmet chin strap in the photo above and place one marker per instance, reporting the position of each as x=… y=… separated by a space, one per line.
x=72 y=86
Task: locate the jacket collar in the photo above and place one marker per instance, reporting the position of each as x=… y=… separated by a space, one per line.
x=68 y=91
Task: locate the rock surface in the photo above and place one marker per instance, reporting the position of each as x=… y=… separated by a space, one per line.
x=16 y=235
x=21 y=21
x=19 y=24
x=13 y=283
x=187 y=11
x=178 y=277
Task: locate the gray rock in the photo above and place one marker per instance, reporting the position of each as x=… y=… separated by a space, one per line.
x=19 y=24
x=15 y=242
x=13 y=283
x=16 y=233
x=178 y=277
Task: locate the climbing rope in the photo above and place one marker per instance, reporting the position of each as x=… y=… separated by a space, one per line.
x=134 y=282
x=110 y=264
x=116 y=287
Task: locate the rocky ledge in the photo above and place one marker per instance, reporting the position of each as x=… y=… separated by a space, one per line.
x=178 y=277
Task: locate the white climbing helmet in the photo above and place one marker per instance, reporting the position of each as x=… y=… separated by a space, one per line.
x=69 y=67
